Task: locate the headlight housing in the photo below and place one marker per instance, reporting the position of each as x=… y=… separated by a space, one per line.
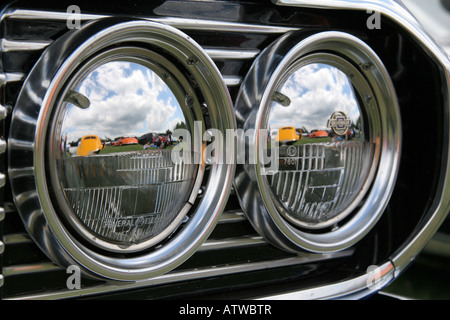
x=125 y=211
x=326 y=189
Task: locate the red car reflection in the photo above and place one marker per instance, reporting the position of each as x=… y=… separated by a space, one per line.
x=125 y=141
x=318 y=134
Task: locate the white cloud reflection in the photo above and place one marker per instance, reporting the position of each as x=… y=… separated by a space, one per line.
x=316 y=91
x=126 y=99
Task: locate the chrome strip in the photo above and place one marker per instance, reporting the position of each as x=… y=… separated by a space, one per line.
x=23 y=14
x=232 y=243
x=3 y=112
x=232 y=81
x=211 y=25
x=22 y=238
x=11 y=77
x=353 y=288
x=196 y=274
x=214 y=53
x=231 y=54
x=232 y=216
x=2 y=180
x=17 y=238
x=2 y=145
x=29 y=269
x=181 y=23
x=14 y=45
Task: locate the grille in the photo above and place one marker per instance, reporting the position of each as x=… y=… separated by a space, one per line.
x=233 y=256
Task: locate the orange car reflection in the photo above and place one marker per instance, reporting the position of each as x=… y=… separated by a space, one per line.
x=125 y=141
x=88 y=145
x=287 y=135
x=318 y=134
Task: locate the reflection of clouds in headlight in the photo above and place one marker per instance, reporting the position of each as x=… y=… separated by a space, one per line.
x=316 y=91
x=126 y=99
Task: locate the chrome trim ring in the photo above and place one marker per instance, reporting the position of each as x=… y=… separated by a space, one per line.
x=29 y=134
x=176 y=81
x=362 y=89
x=251 y=113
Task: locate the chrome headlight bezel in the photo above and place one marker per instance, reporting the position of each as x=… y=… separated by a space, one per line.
x=251 y=110
x=34 y=110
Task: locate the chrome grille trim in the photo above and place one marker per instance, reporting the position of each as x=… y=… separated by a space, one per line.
x=181 y=23
x=232 y=243
x=29 y=269
x=3 y=145
x=18 y=270
x=232 y=81
x=23 y=238
x=214 y=53
x=15 y=45
x=355 y=288
x=12 y=77
x=184 y=275
x=231 y=54
x=17 y=238
x=227 y=217
x=24 y=14
x=211 y=25
x=232 y=216
x=3 y=112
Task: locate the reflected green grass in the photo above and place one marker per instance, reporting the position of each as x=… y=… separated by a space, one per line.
x=113 y=149
x=128 y=148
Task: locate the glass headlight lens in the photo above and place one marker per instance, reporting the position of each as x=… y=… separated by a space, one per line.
x=111 y=163
x=323 y=115
x=327 y=152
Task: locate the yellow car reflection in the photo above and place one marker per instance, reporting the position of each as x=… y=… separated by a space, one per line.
x=287 y=135
x=89 y=145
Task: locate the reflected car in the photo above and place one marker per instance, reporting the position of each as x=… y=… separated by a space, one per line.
x=318 y=134
x=287 y=135
x=125 y=141
x=89 y=145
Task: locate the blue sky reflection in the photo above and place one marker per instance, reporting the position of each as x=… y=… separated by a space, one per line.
x=316 y=91
x=126 y=99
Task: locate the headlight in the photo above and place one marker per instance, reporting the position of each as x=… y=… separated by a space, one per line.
x=128 y=195
x=103 y=123
x=326 y=169
x=333 y=142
